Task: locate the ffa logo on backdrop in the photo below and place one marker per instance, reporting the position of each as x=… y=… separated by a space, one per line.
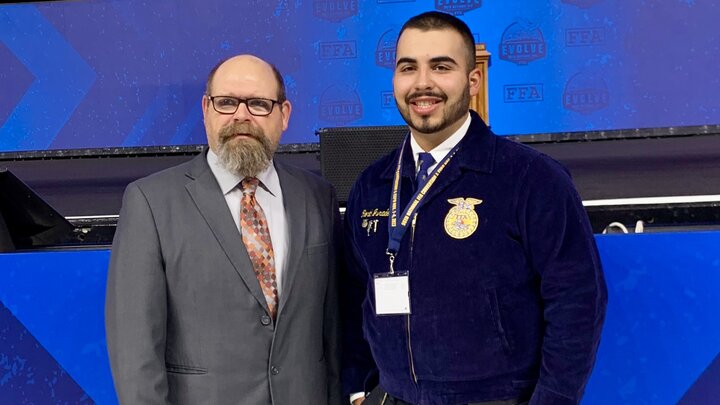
x=522 y=42
x=335 y=10
x=387 y=99
x=523 y=93
x=340 y=104
x=457 y=7
x=338 y=50
x=584 y=36
x=585 y=93
x=386 y=48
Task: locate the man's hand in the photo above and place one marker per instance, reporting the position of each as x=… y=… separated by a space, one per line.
x=358 y=401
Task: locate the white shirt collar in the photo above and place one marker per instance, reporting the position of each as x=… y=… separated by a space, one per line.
x=228 y=180
x=440 y=151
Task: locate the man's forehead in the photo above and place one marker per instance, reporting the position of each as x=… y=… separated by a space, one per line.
x=234 y=69
x=235 y=75
x=423 y=39
x=427 y=45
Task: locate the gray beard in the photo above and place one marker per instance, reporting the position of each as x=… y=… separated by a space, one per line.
x=245 y=158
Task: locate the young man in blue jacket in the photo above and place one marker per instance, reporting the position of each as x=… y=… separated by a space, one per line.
x=473 y=273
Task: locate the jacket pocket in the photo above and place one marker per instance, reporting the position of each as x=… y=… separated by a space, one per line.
x=320 y=249
x=181 y=369
x=498 y=319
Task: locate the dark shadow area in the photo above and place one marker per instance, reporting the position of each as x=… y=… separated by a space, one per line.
x=26 y=220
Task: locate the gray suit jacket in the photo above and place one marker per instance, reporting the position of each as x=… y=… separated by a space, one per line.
x=186 y=320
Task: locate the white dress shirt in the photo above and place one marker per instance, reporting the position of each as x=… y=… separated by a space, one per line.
x=269 y=197
x=438 y=153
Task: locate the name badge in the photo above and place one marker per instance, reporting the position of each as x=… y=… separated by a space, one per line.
x=392 y=293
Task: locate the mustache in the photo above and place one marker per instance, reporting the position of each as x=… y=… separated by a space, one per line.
x=244 y=128
x=426 y=93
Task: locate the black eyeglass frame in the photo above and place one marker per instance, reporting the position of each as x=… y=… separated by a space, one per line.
x=243 y=101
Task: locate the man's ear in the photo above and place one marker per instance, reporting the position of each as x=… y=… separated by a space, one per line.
x=205 y=104
x=285 y=110
x=475 y=81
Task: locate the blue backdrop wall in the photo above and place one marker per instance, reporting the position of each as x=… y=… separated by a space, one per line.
x=660 y=344
x=95 y=73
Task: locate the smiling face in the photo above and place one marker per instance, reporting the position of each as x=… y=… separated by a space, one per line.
x=244 y=142
x=432 y=85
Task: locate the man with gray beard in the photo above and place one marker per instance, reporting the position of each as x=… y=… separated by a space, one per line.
x=221 y=290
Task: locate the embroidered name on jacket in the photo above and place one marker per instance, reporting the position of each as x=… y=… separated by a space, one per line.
x=371 y=218
x=377 y=212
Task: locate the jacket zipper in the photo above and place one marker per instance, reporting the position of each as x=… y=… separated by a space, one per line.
x=409 y=344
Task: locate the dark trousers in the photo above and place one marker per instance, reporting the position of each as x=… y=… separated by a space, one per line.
x=379 y=396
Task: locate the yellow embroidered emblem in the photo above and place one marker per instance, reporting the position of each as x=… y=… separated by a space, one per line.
x=462 y=220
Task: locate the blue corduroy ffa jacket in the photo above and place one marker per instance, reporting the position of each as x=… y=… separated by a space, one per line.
x=515 y=309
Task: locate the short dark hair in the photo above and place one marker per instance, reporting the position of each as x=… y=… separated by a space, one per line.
x=435 y=20
x=281 y=96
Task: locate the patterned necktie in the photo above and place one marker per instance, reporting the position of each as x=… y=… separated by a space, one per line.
x=425 y=160
x=256 y=237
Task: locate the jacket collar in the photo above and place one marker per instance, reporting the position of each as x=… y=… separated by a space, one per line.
x=198 y=165
x=477 y=151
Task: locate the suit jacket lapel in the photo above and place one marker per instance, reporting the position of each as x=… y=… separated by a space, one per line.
x=448 y=176
x=207 y=196
x=294 y=197
x=476 y=153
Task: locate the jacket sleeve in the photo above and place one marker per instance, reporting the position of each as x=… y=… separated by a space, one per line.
x=135 y=307
x=560 y=246
x=331 y=324
x=358 y=366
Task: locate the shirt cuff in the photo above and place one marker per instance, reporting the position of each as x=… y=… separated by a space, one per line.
x=356 y=395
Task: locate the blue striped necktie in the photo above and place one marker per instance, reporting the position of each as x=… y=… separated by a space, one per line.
x=425 y=160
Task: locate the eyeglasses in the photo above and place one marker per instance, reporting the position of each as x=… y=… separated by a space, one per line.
x=259 y=107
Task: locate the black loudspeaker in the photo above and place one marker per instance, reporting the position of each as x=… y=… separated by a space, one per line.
x=346 y=152
x=26 y=220
x=6 y=243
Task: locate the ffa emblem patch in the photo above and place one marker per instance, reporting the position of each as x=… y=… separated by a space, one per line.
x=462 y=220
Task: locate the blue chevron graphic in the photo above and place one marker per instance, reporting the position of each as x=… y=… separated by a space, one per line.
x=706 y=389
x=62 y=79
x=184 y=131
x=28 y=374
x=14 y=81
x=59 y=298
x=662 y=329
x=144 y=124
